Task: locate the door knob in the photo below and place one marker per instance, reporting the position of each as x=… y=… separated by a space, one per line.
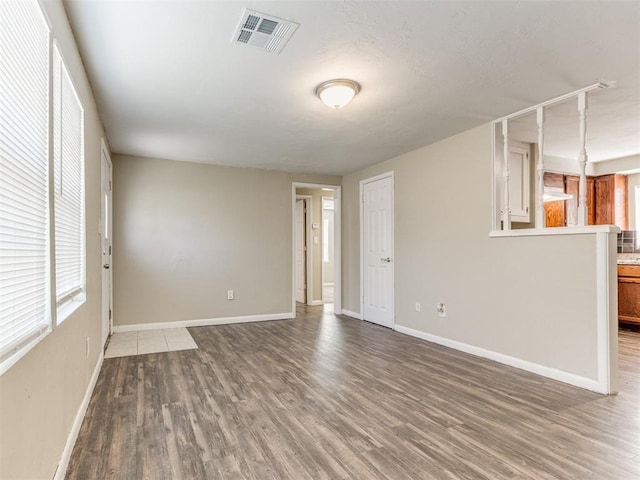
x=106 y=265
x=388 y=259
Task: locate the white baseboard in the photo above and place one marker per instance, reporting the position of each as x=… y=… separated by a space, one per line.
x=536 y=368
x=202 y=322
x=351 y=314
x=61 y=471
x=315 y=303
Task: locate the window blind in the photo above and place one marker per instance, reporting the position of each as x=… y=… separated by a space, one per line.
x=67 y=184
x=24 y=149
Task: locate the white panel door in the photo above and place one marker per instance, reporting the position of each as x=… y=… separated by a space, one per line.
x=299 y=229
x=106 y=224
x=377 y=244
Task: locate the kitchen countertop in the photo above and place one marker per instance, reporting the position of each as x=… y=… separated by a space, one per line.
x=629 y=259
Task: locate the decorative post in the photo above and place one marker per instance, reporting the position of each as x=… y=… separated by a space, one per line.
x=540 y=169
x=506 y=214
x=582 y=159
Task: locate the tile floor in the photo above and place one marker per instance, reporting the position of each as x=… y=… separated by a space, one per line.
x=327 y=293
x=123 y=344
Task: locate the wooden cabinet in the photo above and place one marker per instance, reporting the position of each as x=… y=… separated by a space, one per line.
x=611 y=200
x=554 y=212
x=606 y=200
x=629 y=293
x=572 y=187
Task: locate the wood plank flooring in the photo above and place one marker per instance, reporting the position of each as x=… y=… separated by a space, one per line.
x=329 y=397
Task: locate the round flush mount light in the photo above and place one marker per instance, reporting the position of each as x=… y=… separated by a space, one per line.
x=337 y=93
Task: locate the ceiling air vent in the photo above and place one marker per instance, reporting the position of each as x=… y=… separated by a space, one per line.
x=263 y=31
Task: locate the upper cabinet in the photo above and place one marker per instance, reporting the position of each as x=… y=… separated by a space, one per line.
x=606 y=200
x=572 y=187
x=611 y=200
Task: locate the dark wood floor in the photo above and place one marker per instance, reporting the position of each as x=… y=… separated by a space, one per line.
x=328 y=397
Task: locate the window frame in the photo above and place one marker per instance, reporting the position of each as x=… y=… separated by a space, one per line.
x=17 y=349
x=72 y=301
x=54 y=314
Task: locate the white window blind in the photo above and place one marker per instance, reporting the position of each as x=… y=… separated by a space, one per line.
x=67 y=184
x=24 y=147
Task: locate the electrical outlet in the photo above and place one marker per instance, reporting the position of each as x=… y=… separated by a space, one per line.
x=418 y=306
x=441 y=309
x=87 y=347
x=229 y=294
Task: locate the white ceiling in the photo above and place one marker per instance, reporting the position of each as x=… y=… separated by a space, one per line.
x=169 y=83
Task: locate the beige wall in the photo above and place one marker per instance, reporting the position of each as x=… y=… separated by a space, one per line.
x=316 y=217
x=185 y=233
x=40 y=395
x=507 y=295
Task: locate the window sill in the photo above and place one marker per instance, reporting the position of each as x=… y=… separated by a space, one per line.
x=21 y=352
x=66 y=310
x=541 y=232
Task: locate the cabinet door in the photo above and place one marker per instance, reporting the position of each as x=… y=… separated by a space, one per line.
x=554 y=212
x=519 y=177
x=572 y=187
x=629 y=299
x=604 y=200
x=591 y=204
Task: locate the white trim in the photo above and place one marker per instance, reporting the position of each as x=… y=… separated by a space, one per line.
x=104 y=150
x=308 y=253
x=322 y=245
x=540 y=232
x=61 y=470
x=553 y=101
x=337 y=239
x=205 y=322
x=382 y=176
x=315 y=303
x=337 y=249
x=607 y=318
x=565 y=377
x=351 y=314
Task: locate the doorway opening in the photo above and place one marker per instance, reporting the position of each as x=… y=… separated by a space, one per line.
x=303 y=255
x=316 y=246
x=328 y=225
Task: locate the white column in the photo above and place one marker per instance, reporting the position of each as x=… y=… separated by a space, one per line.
x=540 y=170
x=506 y=214
x=582 y=159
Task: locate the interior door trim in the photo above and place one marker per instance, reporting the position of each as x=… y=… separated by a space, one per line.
x=363 y=182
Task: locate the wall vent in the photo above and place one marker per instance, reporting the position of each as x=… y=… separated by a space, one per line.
x=263 y=31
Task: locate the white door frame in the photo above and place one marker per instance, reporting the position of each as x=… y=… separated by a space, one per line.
x=337 y=240
x=106 y=323
x=322 y=199
x=393 y=242
x=308 y=253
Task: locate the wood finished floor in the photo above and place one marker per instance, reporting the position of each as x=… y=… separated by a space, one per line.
x=328 y=397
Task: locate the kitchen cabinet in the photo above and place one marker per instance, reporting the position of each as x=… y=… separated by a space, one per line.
x=606 y=200
x=629 y=293
x=554 y=212
x=572 y=187
x=611 y=200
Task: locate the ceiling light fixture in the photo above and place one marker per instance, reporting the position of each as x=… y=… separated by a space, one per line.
x=337 y=93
